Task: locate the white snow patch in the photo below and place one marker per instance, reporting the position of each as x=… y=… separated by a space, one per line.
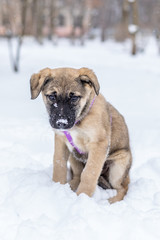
x=55 y=105
x=132 y=28
x=62 y=121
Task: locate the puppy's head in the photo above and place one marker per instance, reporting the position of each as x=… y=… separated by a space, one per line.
x=67 y=93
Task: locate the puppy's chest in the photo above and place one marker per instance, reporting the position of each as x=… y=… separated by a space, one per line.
x=77 y=144
x=77 y=139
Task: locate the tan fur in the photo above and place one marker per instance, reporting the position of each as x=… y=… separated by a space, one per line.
x=100 y=130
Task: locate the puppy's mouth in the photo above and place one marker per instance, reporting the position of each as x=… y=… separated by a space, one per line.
x=62 y=123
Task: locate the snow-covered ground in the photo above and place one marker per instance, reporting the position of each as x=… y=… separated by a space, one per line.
x=32 y=207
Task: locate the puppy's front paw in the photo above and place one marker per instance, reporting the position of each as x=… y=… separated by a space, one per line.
x=74 y=183
x=84 y=189
x=58 y=179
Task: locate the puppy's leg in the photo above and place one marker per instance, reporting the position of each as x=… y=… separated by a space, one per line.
x=93 y=168
x=77 y=168
x=60 y=160
x=118 y=174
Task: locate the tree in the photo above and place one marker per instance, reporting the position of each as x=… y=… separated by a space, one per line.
x=128 y=27
x=157 y=25
x=52 y=17
x=15 y=59
x=78 y=13
x=133 y=27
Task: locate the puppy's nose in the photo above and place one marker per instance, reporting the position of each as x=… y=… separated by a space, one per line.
x=61 y=123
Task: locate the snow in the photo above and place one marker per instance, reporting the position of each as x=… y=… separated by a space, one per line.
x=55 y=105
x=35 y=208
x=132 y=28
x=65 y=121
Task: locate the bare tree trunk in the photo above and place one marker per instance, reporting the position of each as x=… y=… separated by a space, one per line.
x=157 y=33
x=52 y=15
x=83 y=15
x=125 y=18
x=78 y=14
x=39 y=19
x=34 y=16
x=122 y=28
x=133 y=33
x=103 y=20
x=73 y=6
x=129 y=23
x=16 y=59
x=134 y=47
x=103 y=24
x=72 y=36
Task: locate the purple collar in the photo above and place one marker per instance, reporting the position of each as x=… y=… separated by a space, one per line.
x=69 y=137
x=70 y=140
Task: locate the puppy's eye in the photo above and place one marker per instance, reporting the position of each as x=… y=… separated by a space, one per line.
x=52 y=97
x=74 y=98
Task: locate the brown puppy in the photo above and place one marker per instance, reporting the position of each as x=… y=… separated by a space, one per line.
x=98 y=144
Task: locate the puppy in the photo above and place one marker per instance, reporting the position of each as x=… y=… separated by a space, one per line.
x=89 y=131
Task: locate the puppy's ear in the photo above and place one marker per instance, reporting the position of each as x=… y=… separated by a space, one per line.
x=37 y=81
x=88 y=76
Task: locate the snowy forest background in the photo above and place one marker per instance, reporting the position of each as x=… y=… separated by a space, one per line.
x=119 y=40
x=79 y=20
